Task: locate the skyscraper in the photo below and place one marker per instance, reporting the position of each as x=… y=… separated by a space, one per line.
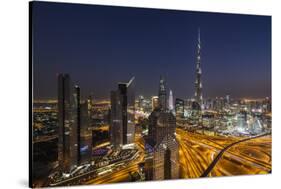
x=116 y=121
x=122 y=128
x=179 y=108
x=154 y=102
x=171 y=101
x=90 y=103
x=162 y=94
x=198 y=81
x=67 y=122
x=85 y=147
x=78 y=120
x=161 y=145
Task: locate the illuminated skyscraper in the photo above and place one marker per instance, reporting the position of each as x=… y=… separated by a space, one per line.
x=116 y=122
x=171 y=101
x=154 y=102
x=67 y=123
x=161 y=145
x=122 y=128
x=85 y=144
x=198 y=82
x=179 y=108
x=90 y=103
x=162 y=94
x=227 y=98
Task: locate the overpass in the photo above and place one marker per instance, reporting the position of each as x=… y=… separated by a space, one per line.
x=214 y=162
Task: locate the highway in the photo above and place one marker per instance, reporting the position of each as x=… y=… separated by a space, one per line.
x=202 y=155
x=198 y=151
x=211 y=166
x=121 y=175
x=248 y=157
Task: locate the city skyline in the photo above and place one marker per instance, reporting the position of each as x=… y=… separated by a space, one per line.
x=234 y=61
x=161 y=73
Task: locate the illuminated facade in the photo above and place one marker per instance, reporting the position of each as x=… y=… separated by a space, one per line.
x=162 y=94
x=90 y=103
x=196 y=113
x=161 y=145
x=198 y=82
x=116 y=129
x=179 y=108
x=85 y=147
x=197 y=104
x=171 y=101
x=165 y=159
x=122 y=128
x=154 y=102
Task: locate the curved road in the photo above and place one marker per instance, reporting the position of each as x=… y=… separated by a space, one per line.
x=212 y=165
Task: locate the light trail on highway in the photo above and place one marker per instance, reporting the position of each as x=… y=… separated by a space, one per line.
x=196 y=153
x=121 y=175
x=249 y=157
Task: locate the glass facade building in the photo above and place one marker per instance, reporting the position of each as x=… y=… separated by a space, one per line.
x=122 y=127
x=179 y=108
x=67 y=123
x=161 y=146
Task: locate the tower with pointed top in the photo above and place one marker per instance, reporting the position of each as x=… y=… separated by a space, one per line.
x=171 y=101
x=161 y=146
x=198 y=81
x=162 y=94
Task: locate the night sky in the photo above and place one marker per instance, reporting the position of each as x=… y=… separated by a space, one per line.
x=100 y=46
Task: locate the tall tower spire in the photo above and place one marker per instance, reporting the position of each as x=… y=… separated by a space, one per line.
x=162 y=94
x=198 y=82
x=171 y=100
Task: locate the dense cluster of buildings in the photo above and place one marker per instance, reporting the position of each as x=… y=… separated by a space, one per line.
x=161 y=145
x=163 y=113
x=75 y=136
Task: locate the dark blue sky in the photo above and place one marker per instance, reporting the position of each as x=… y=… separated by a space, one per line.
x=102 y=45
